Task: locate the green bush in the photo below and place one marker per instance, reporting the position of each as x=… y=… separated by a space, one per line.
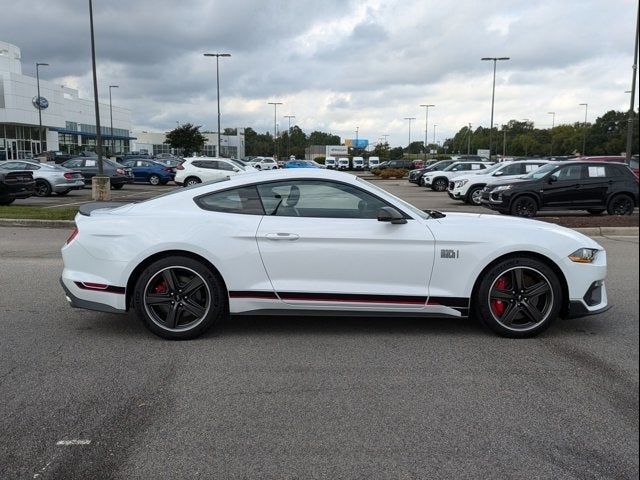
x=320 y=160
x=393 y=173
x=376 y=171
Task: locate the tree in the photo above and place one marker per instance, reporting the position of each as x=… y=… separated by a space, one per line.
x=186 y=137
x=396 y=153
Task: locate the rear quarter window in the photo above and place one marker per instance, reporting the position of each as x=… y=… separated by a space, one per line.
x=244 y=200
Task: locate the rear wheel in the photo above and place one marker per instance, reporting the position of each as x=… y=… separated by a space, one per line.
x=440 y=184
x=190 y=181
x=475 y=196
x=518 y=297
x=154 y=180
x=621 y=204
x=178 y=298
x=524 y=207
x=596 y=211
x=43 y=189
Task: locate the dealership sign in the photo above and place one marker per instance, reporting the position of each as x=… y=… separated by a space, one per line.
x=40 y=103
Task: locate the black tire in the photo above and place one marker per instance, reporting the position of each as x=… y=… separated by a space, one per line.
x=421 y=182
x=7 y=202
x=474 y=195
x=596 y=211
x=117 y=186
x=154 y=179
x=63 y=192
x=440 y=185
x=43 y=188
x=518 y=297
x=179 y=298
x=524 y=206
x=621 y=204
x=190 y=181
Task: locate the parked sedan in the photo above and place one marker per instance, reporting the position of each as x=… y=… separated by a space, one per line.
x=592 y=186
x=305 y=242
x=15 y=184
x=88 y=166
x=149 y=171
x=49 y=178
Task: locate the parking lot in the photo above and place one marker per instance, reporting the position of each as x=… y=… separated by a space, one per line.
x=95 y=395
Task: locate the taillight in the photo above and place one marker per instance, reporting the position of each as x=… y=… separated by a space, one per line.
x=73 y=235
x=180 y=167
x=168 y=169
x=68 y=176
x=119 y=171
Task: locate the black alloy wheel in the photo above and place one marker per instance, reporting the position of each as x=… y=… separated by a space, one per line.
x=621 y=205
x=440 y=184
x=519 y=297
x=524 y=207
x=43 y=189
x=178 y=298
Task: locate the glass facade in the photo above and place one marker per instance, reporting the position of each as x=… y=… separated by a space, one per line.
x=20 y=142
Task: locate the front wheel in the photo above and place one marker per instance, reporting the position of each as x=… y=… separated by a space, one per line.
x=621 y=204
x=524 y=207
x=178 y=298
x=475 y=196
x=154 y=180
x=440 y=185
x=518 y=297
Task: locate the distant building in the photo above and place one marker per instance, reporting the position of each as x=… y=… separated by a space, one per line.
x=230 y=145
x=68 y=121
x=315 y=151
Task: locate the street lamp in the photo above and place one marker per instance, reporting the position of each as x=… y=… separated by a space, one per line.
x=409 y=146
x=469 y=140
x=289 y=117
x=553 y=124
x=633 y=92
x=38 y=105
x=218 y=55
x=275 y=116
x=493 y=93
x=434 y=133
x=426 y=127
x=584 y=130
x=113 y=141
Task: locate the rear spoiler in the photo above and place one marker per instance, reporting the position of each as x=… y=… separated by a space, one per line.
x=87 y=208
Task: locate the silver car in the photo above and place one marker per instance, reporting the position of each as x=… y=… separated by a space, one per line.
x=49 y=178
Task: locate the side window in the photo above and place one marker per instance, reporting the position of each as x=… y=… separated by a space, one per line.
x=318 y=199
x=513 y=169
x=614 y=171
x=13 y=166
x=243 y=200
x=596 y=171
x=476 y=166
x=571 y=172
x=90 y=163
x=224 y=166
x=73 y=163
x=210 y=164
x=531 y=167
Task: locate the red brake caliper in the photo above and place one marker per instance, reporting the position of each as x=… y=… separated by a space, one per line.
x=498 y=306
x=161 y=288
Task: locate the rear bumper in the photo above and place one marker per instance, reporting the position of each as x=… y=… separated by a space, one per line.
x=77 y=302
x=14 y=192
x=71 y=185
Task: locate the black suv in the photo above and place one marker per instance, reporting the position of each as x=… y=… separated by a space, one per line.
x=592 y=186
x=406 y=164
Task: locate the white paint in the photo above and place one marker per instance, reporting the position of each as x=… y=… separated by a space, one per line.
x=65 y=443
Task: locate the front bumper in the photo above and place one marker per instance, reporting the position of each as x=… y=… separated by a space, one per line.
x=577 y=309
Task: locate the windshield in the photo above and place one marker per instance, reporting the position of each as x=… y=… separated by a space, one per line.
x=493 y=168
x=416 y=211
x=542 y=171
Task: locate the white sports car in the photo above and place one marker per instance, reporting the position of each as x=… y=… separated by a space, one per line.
x=304 y=241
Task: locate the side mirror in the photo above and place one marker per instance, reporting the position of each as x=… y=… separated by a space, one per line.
x=498 y=174
x=553 y=178
x=388 y=214
x=236 y=170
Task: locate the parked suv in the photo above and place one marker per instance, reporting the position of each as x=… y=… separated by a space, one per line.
x=468 y=188
x=592 y=186
x=196 y=170
x=406 y=164
x=263 y=163
x=438 y=180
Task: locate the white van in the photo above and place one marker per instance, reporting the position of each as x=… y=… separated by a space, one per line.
x=358 y=163
x=374 y=162
x=343 y=163
x=330 y=162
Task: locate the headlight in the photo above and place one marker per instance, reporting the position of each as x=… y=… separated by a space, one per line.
x=502 y=188
x=583 y=255
x=460 y=183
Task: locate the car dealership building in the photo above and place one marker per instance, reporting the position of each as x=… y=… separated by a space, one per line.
x=68 y=121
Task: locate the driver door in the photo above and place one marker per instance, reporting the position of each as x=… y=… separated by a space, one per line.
x=322 y=246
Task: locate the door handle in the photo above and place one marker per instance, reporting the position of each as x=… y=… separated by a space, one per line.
x=282 y=236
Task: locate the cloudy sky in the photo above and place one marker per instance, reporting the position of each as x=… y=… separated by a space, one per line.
x=337 y=65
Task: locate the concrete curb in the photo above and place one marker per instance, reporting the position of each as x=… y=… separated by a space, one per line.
x=69 y=224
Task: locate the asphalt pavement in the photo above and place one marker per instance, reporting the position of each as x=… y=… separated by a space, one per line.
x=87 y=395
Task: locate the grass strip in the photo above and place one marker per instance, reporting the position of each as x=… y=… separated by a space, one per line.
x=39 y=213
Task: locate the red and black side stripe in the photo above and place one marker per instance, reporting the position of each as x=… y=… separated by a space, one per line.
x=100 y=287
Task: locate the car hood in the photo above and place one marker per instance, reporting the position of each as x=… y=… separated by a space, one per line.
x=488 y=225
x=513 y=180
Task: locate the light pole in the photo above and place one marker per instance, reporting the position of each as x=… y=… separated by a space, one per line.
x=275 y=116
x=218 y=55
x=409 y=146
x=633 y=93
x=357 y=132
x=469 y=140
x=553 y=124
x=434 y=134
x=289 y=117
x=101 y=183
x=113 y=142
x=493 y=94
x=504 y=141
x=426 y=127
x=584 y=129
x=38 y=106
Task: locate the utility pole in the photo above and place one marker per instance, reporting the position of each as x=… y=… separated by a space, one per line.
x=409 y=146
x=289 y=117
x=218 y=55
x=553 y=124
x=38 y=101
x=633 y=93
x=113 y=141
x=275 y=126
x=493 y=94
x=469 y=140
x=584 y=129
x=426 y=128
